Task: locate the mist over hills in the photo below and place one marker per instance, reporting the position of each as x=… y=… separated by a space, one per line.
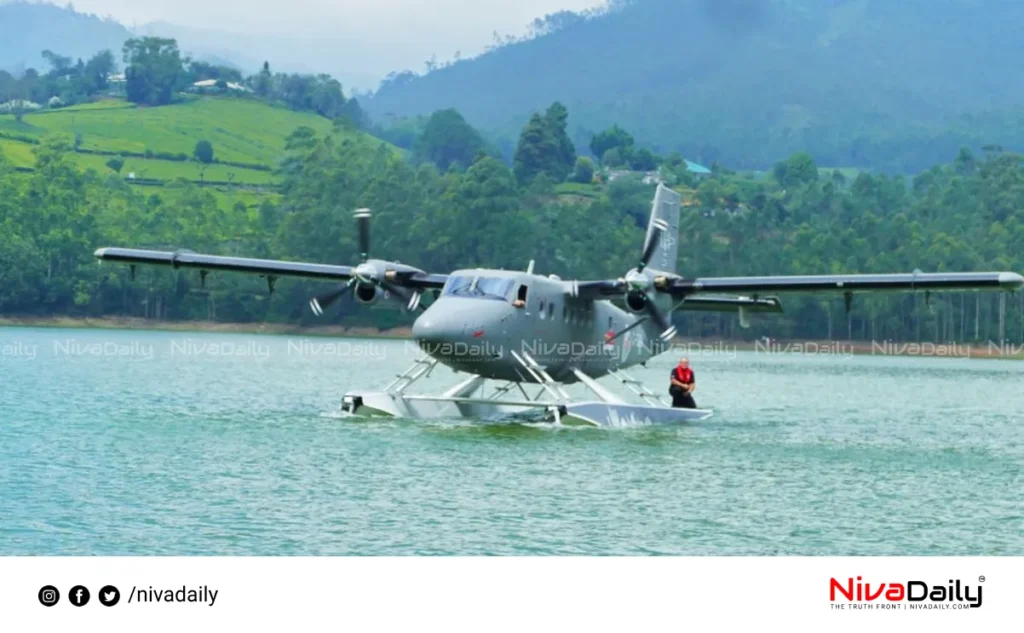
x=27 y=29
x=872 y=83
x=309 y=55
x=892 y=86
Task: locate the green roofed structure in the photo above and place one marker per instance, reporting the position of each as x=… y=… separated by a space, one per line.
x=697 y=169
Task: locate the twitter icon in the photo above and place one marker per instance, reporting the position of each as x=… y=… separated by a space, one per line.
x=109 y=596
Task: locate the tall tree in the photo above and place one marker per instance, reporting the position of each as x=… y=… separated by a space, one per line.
x=263 y=82
x=98 y=70
x=613 y=138
x=544 y=147
x=153 y=70
x=447 y=139
x=557 y=118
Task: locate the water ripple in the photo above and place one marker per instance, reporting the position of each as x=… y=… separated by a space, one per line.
x=233 y=455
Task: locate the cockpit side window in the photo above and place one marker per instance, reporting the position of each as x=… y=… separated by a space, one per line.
x=522 y=293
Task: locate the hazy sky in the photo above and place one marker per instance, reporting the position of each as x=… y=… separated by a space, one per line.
x=356 y=38
x=464 y=20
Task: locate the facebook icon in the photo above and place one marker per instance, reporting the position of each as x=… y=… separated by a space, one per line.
x=79 y=596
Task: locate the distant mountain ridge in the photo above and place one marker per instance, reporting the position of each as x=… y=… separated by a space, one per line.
x=870 y=83
x=27 y=29
x=248 y=52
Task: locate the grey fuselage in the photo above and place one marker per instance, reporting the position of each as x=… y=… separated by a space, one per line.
x=475 y=329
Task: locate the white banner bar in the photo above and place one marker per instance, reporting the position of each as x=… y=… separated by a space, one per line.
x=514 y=594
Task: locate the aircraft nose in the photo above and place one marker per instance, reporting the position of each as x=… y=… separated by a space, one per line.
x=460 y=321
x=436 y=329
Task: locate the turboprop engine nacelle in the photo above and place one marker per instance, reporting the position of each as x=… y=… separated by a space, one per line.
x=367 y=294
x=638 y=286
x=636 y=302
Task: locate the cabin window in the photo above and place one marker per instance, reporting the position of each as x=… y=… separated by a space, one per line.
x=610 y=324
x=551 y=310
x=520 y=301
x=541 y=311
x=565 y=313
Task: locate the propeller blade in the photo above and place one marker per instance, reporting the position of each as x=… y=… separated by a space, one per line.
x=319 y=303
x=363 y=222
x=414 y=303
x=629 y=327
x=411 y=299
x=659 y=226
x=668 y=331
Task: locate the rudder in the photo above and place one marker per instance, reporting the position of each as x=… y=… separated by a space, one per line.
x=665 y=207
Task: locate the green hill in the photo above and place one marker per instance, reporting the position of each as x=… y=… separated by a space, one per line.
x=860 y=83
x=248 y=137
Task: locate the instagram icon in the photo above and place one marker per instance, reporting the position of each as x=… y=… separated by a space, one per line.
x=49 y=596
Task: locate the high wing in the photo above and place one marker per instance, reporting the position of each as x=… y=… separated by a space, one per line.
x=692 y=294
x=403 y=282
x=397 y=273
x=680 y=287
x=185 y=259
x=842 y=284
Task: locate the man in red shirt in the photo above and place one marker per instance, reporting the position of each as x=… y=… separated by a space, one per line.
x=683 y=385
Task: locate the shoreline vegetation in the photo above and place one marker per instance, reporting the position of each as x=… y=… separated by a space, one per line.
x=694 y=346
x=129 y=323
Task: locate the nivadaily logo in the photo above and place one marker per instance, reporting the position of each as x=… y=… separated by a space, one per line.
x=915 y=594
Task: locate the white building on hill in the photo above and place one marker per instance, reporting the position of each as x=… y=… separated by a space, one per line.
x=212 y=83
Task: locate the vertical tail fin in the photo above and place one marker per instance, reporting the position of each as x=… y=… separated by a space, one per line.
x=666 y=206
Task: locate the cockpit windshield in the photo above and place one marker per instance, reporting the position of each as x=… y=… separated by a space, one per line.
x=495 y=288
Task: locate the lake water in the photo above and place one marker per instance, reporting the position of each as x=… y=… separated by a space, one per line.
x=137 y=443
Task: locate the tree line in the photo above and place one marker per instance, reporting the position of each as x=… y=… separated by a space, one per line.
x=797 y=219
x=66 y=83
x=544 y=148
x=156 y=71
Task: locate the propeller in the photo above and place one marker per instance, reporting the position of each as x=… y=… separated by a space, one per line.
x=638 y=284
x=363 y=222
x=320 y=302
x=411 y=298
x=369 y=274
x=659 y=227
x=668 y=331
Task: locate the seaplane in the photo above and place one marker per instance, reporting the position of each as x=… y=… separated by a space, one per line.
x=520 y=330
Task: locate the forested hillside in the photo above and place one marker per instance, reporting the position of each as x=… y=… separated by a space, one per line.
x=886 y=85
x=195 y=155
x=961 y=216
